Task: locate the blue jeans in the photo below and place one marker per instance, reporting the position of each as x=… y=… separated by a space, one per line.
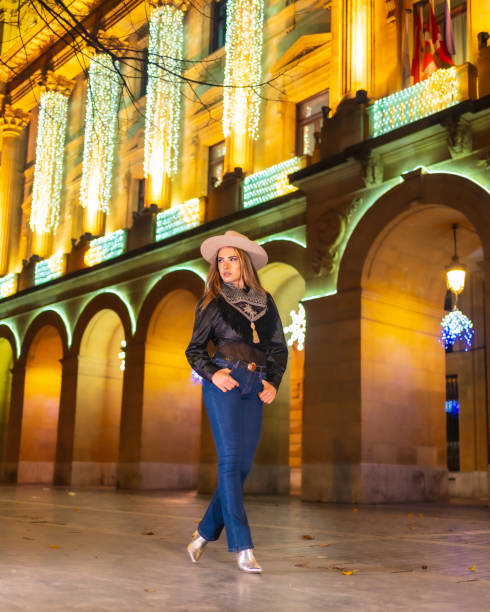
x=236 y=418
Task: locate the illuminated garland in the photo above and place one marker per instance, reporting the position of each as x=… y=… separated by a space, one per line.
x=270 y=183
x=49 y=269
x=436 y=93
x=8 y=285
x=178 y=219
x=456 y=326
x=106 y=247
x=104 y=88
x=297 y=329
x=163 y=97
x=244 y=34
x=48 y=172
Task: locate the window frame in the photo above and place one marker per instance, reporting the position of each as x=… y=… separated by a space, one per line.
x=301 y=123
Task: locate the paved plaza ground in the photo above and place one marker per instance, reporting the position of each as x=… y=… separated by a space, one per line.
x=101 y=549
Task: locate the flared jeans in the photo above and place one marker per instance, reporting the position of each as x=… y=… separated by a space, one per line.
x=236 y=418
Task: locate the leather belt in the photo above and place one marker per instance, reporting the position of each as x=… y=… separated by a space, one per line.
x=248 y=365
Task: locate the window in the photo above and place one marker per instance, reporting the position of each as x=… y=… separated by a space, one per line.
x=458 y=20
x=218 y=25
x=309 y=119
x=452 y=422
x=140 y=201
x=216 y=164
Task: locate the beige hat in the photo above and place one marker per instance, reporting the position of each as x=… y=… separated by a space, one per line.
x=211 y=246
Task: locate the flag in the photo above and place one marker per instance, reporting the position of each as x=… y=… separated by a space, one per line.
x=405 y=51
x=448 y=28
x=438 y=43
x=429 y=64
x=418 y=48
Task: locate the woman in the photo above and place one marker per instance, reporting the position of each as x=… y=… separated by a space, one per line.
x=242 y=321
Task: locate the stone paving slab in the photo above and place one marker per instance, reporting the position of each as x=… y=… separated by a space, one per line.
x=101 y=550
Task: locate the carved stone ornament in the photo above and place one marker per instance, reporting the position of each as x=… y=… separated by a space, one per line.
x=373 y=169
x=459 y=137
x=181 y=4
x=56 y=82
x=13 y=121
x=330 y=232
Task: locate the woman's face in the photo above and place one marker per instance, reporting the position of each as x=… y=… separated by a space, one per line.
x=229 y=266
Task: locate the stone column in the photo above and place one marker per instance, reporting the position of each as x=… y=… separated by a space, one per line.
x=128 y=469
x=66 y=421
x=12 y=124
x=14 y=430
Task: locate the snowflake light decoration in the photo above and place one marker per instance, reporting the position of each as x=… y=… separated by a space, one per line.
x=195 y=378
x=456 y=326
x=297 y=329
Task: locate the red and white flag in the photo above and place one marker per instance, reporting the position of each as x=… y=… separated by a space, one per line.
x=438 y=43
x=429 y=64
x=418 y=48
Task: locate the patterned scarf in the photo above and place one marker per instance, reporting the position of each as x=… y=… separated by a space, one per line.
x=251 y=304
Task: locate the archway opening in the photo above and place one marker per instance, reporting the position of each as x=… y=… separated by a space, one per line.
x=171 y=435
x=277 y=467
x=99 y=395
x=406 y=433
x=41 y=408
x=6 y=363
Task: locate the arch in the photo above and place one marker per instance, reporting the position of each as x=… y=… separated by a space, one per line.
x=285 y=251
x=7 y=357
x=180 y=279
x=41 y=402
x=172 y=407
x=419 y=189
x=8 y=335
x=46 y=318
x=98 y=400
x=102 y=301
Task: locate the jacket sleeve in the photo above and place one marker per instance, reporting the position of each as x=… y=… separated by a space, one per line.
x=277 y=351
x=196 y=353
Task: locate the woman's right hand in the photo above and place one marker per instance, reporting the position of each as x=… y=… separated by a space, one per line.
x=223 y=380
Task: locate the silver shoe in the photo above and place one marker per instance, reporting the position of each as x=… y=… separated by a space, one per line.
x=196 y=546
x=247 y=562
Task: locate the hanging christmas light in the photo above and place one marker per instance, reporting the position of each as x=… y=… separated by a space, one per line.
x=104 y=89
x=244 y=36
x=297 y=329
x=456 y=326
x=48 y=171
x=163 y=97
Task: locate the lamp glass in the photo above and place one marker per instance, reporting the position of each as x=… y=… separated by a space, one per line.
x=455 y=277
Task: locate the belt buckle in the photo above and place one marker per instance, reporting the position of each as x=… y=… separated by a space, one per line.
x=252 y=366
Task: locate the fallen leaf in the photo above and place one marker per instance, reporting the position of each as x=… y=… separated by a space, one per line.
x=300 y=565
x=77 y=509
x=71 y=493
x=424 y=566
x=322 y=544
x=148 y=533
x=197 y=520
x=150 y=590
x=473 y=568
x=421 y=515
x=307 y=537
x=55 y=546
x=410 y=515
x=355 y=510
x=348 y=573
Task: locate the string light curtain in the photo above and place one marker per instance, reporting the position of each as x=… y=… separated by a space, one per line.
x=48 y=171
x=104 y=90
x=163 y=105
x=244 y=38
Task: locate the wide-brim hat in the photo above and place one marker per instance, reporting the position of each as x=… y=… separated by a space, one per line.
x=211 y=246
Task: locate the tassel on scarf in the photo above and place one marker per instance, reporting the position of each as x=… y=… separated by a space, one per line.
x=255 y=335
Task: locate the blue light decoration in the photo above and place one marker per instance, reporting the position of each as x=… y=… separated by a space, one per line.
x=452 y=407
x=196 y=378
x=49 y=269
x=440 y=91
x=270 y=183
x=106 y=247
x=179 y=218
x=456 y=326
x=8 y=285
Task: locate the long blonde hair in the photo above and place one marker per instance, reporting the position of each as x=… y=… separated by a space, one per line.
x=249 y=277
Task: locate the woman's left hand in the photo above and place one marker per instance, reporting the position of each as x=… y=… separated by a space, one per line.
x=268 y=393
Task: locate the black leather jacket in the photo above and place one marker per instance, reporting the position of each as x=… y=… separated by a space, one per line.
x=231 y=334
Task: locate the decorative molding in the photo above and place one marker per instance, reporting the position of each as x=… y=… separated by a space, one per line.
x=180 y=4
x=373 y=169
x=13 y=121
x=57 y=83
x=459 y=137
x=331 y=228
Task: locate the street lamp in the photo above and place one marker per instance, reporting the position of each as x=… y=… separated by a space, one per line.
x=456 y=271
